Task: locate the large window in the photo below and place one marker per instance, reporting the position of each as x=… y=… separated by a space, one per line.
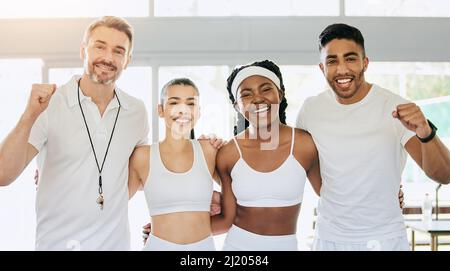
x=73 y=8
x=170 y=8
x=17 y=214
x=300 y=83
x=135 y=80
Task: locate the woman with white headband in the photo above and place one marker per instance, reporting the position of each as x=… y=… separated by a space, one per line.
x=264 y=168
x=179 y=185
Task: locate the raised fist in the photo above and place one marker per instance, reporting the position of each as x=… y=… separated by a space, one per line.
x=39 y=99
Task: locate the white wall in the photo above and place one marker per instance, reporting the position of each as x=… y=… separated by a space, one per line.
x=288 y=40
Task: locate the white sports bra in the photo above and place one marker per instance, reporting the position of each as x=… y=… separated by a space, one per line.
x=279 y=188
x=170 y=192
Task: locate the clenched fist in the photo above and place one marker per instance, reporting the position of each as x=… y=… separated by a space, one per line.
x=412 y=118
x=39 y=99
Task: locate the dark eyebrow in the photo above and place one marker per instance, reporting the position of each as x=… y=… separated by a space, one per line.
x=121 y=48
x=178 y=98
x=265 y=84
x=245 y=89
x=350 y=54
x=345 y=55
x=260 y=86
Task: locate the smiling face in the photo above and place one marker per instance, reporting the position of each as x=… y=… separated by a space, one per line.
x=180 y=110
x=343 y=63
x=105 y=54
x=258 y=99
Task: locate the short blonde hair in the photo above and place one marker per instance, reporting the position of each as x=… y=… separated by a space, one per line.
x=117 y=23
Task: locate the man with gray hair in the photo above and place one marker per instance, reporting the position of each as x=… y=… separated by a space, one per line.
x=84 y=133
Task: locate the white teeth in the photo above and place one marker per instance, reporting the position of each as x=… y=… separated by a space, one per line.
x=104 y=67
x=344 y=81
x=262 y=109
x=182 y=121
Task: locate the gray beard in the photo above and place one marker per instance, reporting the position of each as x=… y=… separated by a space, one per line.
x=95 y=78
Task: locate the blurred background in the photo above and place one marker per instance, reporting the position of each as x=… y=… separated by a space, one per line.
x=407 y=42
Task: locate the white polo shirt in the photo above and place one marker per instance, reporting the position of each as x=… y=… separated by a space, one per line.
x=68 y=217
x=362 y=156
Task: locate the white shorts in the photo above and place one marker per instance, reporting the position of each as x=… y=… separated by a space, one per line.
x=157 y=244
x=392 y=244
x=241 y=240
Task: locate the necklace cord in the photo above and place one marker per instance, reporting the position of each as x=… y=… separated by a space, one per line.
x=100 y=169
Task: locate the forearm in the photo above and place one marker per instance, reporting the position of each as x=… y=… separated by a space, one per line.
x=138 y=168
x=219 y=224
x=436 y=160
x=135 y=181
x=315 y=178
x=134 y=185
x=316 y=187
x=132 y=189
x=216 y=177
x=14 y=151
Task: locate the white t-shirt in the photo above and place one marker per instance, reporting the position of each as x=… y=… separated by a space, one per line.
x=362 y=156
x=68 y=217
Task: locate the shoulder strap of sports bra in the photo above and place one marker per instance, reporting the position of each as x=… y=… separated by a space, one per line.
x=237 y=146
x=197 y=148
x=292 y=140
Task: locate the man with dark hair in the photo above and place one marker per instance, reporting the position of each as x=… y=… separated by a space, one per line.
x=363 y=134
x=341 y=31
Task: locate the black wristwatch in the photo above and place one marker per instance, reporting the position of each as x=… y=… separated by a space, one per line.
x=431 y=136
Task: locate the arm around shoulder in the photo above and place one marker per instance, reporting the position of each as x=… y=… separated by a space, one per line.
x=138 y=169
x=308 y=155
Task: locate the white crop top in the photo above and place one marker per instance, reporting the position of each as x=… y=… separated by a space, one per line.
x=279 y=188
x=170 y=192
